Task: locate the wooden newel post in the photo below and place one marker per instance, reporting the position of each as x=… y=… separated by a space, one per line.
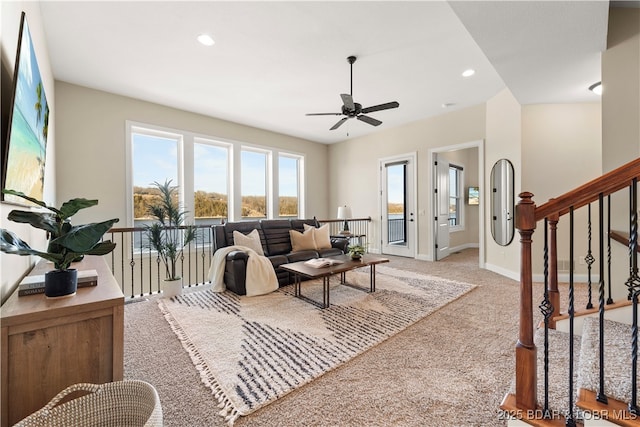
x=526 y=362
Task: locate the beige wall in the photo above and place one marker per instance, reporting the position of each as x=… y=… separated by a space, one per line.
x=355 y=178
x=13 y=267
x=503 y=141
x=621 y=89
x=561 y=146
x=92 y=157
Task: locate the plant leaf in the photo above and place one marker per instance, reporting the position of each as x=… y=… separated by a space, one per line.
x=82 y=238
x=24 y=196
x=42 y=220
x=70 y=208
x=12 y=244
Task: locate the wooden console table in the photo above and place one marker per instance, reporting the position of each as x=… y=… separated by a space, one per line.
x=49 y=344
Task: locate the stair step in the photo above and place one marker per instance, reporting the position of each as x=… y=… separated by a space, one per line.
x=617 y=352
x=558 y=369
x=614 y=412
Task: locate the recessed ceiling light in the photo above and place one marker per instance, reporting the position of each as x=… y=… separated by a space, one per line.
x=468 y=73
x=206 y=39
x=596 y=88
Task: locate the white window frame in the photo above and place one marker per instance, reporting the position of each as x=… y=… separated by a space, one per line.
x=234 y=170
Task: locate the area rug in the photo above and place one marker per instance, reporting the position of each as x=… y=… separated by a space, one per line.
x=251 y=351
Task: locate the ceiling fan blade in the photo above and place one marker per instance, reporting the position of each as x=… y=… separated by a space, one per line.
x=337 y=125
x=347 y=100
x=381 y=107
x=370 y=120
x=323 y=114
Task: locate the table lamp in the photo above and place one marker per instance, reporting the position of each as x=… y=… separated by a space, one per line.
x=344 y=212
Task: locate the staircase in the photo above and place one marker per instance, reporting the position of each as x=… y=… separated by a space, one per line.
x=579 y=367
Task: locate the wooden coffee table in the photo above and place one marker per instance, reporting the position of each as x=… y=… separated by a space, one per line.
x=300 y=269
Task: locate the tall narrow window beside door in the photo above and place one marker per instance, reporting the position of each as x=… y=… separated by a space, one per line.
x=456 y=197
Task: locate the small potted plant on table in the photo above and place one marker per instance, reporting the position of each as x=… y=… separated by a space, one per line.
x=67 y=243
x=356 y=251
x=167 y=235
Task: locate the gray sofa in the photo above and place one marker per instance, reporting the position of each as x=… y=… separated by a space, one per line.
x=276 y=244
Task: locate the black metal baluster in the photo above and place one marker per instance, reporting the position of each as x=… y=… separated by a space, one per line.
x=546 y=308
x=633 y=407
x=570 y=421
x=589 y=257
x=601 y=396
x=633 y=283
x=609 y=299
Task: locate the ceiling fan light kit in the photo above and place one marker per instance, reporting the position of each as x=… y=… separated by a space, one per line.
x=352 y=109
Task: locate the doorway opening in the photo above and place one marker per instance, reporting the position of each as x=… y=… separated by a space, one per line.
x=457 y=177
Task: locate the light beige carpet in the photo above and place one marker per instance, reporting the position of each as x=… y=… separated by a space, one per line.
x=251 y=351
x=449 y=369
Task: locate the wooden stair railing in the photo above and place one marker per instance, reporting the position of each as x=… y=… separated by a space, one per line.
x=527 y=216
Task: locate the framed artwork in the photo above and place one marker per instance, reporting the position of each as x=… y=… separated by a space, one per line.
x=25 y=149
x=474 y=195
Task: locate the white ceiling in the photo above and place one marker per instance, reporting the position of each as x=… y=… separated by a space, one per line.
x=275 y=61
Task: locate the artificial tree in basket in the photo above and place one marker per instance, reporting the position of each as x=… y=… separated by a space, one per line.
x=67 y=243
x=168 y=236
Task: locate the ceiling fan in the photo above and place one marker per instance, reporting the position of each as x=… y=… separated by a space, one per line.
x=352 y=109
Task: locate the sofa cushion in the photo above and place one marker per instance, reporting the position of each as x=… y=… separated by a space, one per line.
x=245 y=227
x=251 y=240
x=276 y=232
x=302 y=241
x=321 y=236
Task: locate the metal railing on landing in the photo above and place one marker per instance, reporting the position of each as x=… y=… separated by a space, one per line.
x=139 y=271
x=358 y=229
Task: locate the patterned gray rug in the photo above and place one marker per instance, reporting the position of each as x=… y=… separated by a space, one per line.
x=251 y=351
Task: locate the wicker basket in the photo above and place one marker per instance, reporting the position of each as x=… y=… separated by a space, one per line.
x=120 y=403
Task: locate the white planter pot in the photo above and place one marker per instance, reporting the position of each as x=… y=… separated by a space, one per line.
x=172 y=288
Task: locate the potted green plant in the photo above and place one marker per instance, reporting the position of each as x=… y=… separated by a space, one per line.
x=356 y=251
x=167 y=235
x=67 y=243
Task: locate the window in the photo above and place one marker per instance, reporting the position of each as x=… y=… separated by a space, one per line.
x=254 y=184
x=155 y=159
x=210 y=182
x=217 y=180
x=456 y=197
x=288 y=181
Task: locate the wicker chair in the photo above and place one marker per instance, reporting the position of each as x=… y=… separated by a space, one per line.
x=121 y=403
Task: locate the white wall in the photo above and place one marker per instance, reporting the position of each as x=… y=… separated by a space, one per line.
x=91 y=128
x=13 y=267
x=355 y=179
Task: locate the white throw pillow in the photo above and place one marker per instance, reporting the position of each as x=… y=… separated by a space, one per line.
x=320 y=236
x=251 y=241
x=302 y=241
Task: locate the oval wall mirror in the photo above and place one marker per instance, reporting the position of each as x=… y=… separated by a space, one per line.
x=502 y=202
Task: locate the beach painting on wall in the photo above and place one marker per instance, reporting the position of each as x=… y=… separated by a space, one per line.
x=26 y=144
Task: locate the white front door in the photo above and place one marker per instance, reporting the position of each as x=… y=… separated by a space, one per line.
x=398 y=218
x=441 y=207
